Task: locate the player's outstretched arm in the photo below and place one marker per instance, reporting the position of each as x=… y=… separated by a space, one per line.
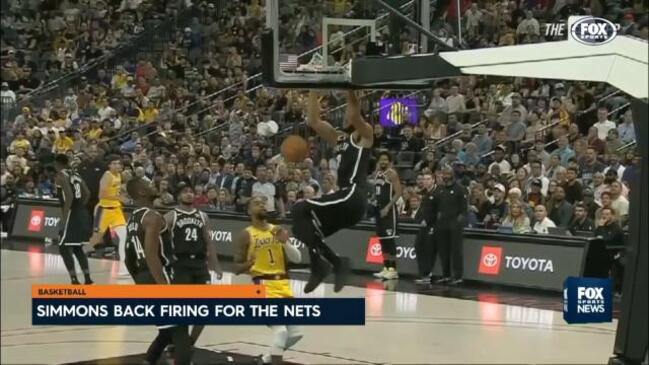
x=353 y=114
x=313 y=120
x=242 y=263
x=153 y=224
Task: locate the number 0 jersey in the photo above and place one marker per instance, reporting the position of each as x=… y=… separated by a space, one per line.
x=135 y=259
x=267 y=251
x=75 y=183
x=187 y=232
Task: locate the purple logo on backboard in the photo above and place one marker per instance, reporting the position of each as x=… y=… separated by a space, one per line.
x=395 y=112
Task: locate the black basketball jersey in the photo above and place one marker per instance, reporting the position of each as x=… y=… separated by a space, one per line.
x=135 y=259
x=353 y=162
x=187 y=232
x=383 y=189
x=77 y=192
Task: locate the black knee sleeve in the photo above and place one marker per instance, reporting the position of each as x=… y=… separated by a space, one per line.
x=389 y=246
x=82 y=258
x=183 y=345
x=158 y=345
x=302 y=227
x=68 y=260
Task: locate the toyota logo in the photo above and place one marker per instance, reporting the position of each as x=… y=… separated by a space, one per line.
x=490 y=260
x=375 y=250
x=36 y=220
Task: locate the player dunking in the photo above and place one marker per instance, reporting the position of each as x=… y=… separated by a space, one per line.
x=316 y=219
x=148 y=258
x=262 y=249
x=108 y=212
x=388 y=191
x=193 y=249
x=73 y=195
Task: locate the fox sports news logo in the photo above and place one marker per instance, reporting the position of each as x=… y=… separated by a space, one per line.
x=593 y=31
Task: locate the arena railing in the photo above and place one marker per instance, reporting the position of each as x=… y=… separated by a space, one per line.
x=627 y=146
x=614 y=111
x=256 y=78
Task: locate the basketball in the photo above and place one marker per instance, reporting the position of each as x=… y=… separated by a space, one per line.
x=294 y=148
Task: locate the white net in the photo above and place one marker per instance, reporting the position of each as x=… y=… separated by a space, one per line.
x=317 y=65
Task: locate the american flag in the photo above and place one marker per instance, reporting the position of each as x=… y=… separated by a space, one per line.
x=288 y=62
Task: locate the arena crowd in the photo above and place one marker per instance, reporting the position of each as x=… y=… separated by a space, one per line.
x=533 y=154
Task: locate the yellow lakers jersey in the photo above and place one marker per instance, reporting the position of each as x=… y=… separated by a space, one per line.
x=114 y=189
x=267 y=251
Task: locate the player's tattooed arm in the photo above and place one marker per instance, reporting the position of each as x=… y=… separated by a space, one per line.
x=242 y=263
x=213 y=263
x=398 y=191
x=313 y=120
x=363 y=128
x=153 y=224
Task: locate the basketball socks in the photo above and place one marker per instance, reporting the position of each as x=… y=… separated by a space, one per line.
x=121 y=247
x=83 y=262
x=158 y=345
x=68 y=261
x=390 y=264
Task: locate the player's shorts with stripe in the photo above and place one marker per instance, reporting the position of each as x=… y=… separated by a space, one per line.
x=144 y=277
x=77 y=229
x=387 y=227
x=191 y=271
x=275 y=288
x=108 y=217
x=341 y=209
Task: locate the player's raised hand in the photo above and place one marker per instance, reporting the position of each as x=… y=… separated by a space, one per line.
x=280 y=233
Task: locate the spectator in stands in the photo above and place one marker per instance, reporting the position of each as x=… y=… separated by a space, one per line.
x=165 y=198
x=483 y=140
x=455 y=102
x=224 y=202
x=497 y=209
x=536 y=173
x=267 y=190
x=517 y=218
x=581 y=221
x=619 y=203
x=541 y=221
x=506 y=117
x=516 y=127
x=409 y=141
x=608 y=229
x=615 y=166
x=606 y=201
x=438 y=104
x=626 y=128
x=572 y=186
x=589 y=165
x=561 y=211
x=632 y=170
x=590 y=203
x=603 y=125
x=564 y=152
x=499 y=160
x=613 y=143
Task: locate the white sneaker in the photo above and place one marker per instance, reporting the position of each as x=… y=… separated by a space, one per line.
x=381 y=274
x=391 y=274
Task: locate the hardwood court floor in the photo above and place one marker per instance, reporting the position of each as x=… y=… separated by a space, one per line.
x=403 y=327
